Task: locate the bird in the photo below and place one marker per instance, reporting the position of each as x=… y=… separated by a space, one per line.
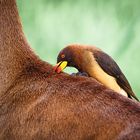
x=97 y=64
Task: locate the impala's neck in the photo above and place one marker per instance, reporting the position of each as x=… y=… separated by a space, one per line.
x=14 y=50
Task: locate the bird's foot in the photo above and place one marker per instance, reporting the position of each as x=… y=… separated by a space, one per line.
x=73 y=74
x=80 y=74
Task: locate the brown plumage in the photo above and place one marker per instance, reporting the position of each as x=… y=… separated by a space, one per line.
x=38 y=104
x=98 y=65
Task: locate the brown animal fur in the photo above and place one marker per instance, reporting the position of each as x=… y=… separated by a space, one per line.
x=37 y=104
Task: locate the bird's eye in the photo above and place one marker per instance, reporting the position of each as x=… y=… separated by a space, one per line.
x=63 y=56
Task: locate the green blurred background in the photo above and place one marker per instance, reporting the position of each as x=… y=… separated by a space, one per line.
x=112 y=25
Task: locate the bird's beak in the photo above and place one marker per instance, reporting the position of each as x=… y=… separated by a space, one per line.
x=60 y=66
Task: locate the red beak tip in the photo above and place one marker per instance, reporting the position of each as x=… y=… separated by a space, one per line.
x=55 y=68
x=58 y=70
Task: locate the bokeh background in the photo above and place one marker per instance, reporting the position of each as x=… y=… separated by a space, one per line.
x=112 y=25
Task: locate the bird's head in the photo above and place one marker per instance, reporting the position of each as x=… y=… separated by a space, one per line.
x=65 y=58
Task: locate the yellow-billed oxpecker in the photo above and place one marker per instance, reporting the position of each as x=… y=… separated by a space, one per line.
x=96 y=64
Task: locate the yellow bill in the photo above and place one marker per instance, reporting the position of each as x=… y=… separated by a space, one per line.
x=60 y=66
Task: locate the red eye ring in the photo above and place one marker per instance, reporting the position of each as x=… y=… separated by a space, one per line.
x=62 y=56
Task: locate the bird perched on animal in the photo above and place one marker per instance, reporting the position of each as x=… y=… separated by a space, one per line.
x=96 y=64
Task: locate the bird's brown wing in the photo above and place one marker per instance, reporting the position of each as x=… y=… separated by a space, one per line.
x=111 y=68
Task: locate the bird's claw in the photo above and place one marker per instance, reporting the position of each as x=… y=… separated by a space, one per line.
x=80 y=74
x=73 y=74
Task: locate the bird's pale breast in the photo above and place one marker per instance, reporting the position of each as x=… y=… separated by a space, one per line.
x=94 y=70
